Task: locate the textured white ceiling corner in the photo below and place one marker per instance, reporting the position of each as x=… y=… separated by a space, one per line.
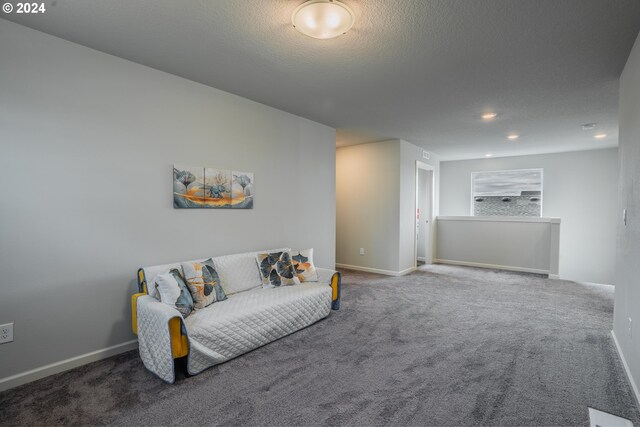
x=419 y=70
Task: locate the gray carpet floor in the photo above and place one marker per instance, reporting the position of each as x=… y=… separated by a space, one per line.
x=442 y=346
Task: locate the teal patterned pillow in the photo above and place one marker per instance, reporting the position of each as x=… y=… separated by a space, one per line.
x=276 y=269
x=174 y=292
x=303 y=265
x=203 y=283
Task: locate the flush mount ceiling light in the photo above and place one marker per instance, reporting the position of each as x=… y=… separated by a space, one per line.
x=322 y=19
x=488 y=155
x=489 y=116
x=588 y=126
x=513 y=136
x=600 y=135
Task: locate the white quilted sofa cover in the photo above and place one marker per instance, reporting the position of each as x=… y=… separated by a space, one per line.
x=249 y=318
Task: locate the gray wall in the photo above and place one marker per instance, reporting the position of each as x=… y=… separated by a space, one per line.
x=579 y=187
x=376 y=202
x=532 y=244
x=367 y=200
x=627 y=299
x=88 y=141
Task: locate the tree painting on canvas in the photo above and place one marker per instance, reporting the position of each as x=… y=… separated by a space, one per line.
x=209 y=188
x=217 y=188
x=242 y=190
x=188 y=187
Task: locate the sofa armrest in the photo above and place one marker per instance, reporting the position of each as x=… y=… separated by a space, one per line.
x=160 y=336
x=334 y=279
x=324 y=275
x=179 y=340
x=134 y=311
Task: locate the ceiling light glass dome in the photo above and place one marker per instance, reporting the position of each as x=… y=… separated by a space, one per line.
x=323 y=19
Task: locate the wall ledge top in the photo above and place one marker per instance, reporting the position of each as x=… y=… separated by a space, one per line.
x=498 y=219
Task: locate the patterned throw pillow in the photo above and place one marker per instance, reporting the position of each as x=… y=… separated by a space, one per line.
x=303 y=265
x=276 y=269
x=174 y=292
x=203 y=283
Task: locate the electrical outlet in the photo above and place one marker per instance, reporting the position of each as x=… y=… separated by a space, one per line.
x=361 y=251
x=6 y=333
x=624 y=216
x=630 y=331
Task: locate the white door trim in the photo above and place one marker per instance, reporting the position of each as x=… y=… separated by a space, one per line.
x=431 y=215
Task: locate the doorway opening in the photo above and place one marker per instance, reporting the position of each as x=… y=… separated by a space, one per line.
x=424 y=213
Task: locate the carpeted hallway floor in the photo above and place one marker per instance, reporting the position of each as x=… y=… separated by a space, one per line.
x=442 y=346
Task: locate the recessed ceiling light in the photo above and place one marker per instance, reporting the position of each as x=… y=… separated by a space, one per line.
x=488 y=155
x=513 y=136
x=588 y=126
x=323 y=19
x=600 y=135
x=489 y=116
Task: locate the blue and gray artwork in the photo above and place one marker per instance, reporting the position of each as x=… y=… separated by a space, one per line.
x=242 y=190
x=200 y=187
x=188 y=187
x=508 y=193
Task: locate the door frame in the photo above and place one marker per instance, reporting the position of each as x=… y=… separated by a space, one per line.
x=431 y=212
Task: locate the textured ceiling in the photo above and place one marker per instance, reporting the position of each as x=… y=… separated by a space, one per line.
x=420 y=70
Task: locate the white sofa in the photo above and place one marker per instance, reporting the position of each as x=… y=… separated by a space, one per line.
x=249 y=318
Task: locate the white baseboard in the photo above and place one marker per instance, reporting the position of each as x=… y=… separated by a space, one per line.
x=554 y=276
x=634 y=386
x=407 y=271
x=422 y=258
x=376 y=270
x=65 y=365
x=492 y=266
x=608 y=285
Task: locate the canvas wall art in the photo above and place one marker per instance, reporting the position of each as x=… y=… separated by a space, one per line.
x=242 y=190
x=507 y=193
x=188 y=186
x=217 y=188
x=210 y=188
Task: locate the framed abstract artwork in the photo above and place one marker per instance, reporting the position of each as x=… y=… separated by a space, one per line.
x=507 y=193
x=210 y=188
